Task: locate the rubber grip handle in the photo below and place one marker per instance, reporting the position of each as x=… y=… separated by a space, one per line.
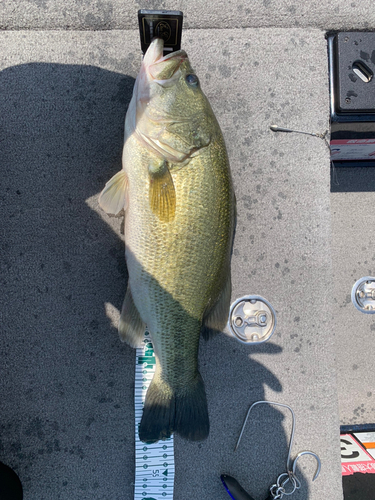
x=10 y=484
x=234 y=488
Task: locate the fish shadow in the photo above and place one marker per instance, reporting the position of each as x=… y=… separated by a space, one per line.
x=67 y=417
x=235 y=378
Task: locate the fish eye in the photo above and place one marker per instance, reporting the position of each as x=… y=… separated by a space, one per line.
x=192 y=80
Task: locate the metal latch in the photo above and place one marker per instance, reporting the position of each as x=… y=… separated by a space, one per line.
x=363 y=295
x=252 y=319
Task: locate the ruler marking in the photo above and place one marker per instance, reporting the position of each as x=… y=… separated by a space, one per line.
x=154 y=467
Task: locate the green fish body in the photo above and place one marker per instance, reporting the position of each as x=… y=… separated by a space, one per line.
x=176 y=190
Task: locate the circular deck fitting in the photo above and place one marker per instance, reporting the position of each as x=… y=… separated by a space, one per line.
x=363 y=295
x=252 y=319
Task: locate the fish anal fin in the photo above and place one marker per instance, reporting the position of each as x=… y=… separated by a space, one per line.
x=131 y=327
x=216 y=318
x=114 y=197
x=162 y=193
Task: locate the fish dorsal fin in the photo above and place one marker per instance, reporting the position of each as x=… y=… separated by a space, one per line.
x=162 y=192
x=114 y=197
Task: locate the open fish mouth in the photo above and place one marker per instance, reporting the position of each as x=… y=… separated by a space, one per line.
x=162 y=68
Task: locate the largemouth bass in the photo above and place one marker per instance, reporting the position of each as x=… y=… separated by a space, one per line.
x=176 y=190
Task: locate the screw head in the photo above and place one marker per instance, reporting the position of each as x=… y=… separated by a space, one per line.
x=238 y=321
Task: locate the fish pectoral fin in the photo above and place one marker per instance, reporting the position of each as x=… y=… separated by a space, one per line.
x=216 y=318
x=131 y=328
x=162 y=193
x=114 y=197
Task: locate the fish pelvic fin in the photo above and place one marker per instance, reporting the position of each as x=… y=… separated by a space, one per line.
x=131 y=328
x=162 y=193
x=114 y=197
x=216 y=318
x=166 y=411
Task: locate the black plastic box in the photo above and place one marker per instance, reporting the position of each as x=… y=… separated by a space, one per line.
x=352 y=90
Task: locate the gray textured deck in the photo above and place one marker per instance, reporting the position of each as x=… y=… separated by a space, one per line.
x=66 y=398
x=353 y=258
x=219 y=14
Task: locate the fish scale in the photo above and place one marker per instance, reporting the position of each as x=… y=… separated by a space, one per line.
x=178 y=264
x=179 y=205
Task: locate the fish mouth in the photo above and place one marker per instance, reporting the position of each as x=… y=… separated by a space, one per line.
x=162 y=68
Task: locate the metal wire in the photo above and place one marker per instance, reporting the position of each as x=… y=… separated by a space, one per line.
x=287 y=482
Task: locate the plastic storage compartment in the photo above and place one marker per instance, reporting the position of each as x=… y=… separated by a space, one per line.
x=352 y=82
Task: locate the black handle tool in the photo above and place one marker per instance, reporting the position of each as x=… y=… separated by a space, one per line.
x=235 y=490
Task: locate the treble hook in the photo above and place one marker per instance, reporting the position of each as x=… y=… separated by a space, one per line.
x=277 y=490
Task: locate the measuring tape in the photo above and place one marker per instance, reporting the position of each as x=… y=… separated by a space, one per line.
x=154 y=463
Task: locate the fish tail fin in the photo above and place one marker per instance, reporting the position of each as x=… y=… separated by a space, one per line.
x=166 y=411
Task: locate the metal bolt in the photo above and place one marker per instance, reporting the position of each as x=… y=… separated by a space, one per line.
x=347 y=100
x=238 y=321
